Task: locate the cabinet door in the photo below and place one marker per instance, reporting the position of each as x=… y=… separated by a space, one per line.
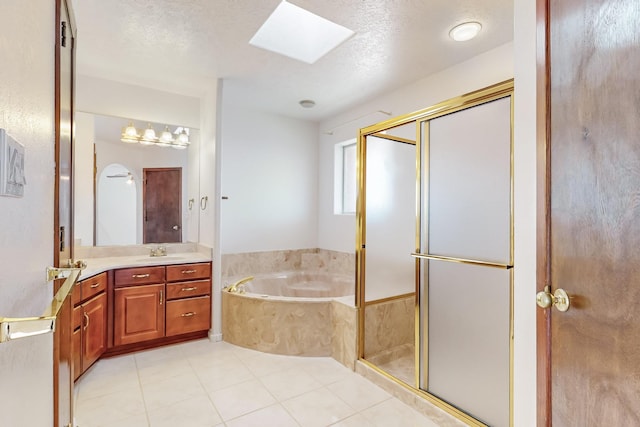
x=76 y=350
x=94 y=330
x=138 y=314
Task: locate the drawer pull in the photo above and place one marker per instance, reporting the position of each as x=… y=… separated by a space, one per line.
x=189 y=314
x=141 y=276
x=193 y=288
x=95 y=285
x=188 y=271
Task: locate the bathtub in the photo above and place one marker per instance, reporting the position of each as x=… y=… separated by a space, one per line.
x=285 y=313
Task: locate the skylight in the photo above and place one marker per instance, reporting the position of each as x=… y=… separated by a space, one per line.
x=299 y=34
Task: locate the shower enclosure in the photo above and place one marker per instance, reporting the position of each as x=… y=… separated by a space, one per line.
x=435 y=253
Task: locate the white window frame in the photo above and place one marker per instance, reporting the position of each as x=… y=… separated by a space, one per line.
x=340 y=181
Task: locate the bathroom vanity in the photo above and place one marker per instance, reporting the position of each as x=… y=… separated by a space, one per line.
x=136 y=307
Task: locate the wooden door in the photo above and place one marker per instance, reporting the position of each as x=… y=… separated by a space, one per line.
x=590 y=215
x=162 y=196
x=138 y=314
x=63 y=212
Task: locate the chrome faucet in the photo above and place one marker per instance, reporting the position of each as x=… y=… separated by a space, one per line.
x=158 y=251
x=234 y=288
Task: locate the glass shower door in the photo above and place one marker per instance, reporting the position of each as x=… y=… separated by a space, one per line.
x=466 y=259
x=389 y=296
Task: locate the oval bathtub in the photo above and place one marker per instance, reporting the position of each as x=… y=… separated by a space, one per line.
x=285 y=313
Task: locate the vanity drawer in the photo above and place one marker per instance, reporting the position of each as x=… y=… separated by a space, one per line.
x=93 y=286
x=188 y=315
x=76 y=294
x=139 y=276
x=188 y=271
x=188 y=289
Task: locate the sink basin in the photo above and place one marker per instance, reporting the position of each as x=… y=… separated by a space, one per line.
x=160 y=258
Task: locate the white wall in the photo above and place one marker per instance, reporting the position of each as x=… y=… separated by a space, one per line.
x=26 y=237
x=83 y=179
x=525 y=213
x=112 y=98
x=337 y=232
x=210 y=161
x=116 y=219
x=269 y=174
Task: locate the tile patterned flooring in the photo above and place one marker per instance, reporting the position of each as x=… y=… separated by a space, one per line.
x=205 y=384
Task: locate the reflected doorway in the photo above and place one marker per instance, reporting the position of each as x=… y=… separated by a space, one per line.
x=161 y=196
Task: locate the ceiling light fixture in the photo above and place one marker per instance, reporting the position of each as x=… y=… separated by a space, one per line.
x=130 y=135
x=307 y=103
x=465 y=31
x=299 y=34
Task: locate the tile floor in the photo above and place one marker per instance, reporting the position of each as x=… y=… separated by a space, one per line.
x=205 y=384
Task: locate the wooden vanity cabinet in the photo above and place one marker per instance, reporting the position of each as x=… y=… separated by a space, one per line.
x=188 y=298
x=158 y=305
x=89 y=299
x=138 y=305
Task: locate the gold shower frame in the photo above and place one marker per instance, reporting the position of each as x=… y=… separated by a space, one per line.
x=491 y=93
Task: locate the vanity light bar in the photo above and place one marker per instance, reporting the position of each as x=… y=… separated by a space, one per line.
x=130 y=135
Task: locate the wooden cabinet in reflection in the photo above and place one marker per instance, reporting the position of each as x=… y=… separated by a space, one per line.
x=89 y=322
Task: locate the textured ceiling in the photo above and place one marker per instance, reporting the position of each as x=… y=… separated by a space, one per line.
x=180 y=45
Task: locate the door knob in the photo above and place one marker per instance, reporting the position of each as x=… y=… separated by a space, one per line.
x=176 y=227
x=559 y=299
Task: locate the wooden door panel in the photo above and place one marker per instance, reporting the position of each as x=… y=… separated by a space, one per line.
x=162 y=196
x=63 y=212
x=595 y=214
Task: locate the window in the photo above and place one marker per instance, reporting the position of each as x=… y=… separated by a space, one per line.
x=345 y=178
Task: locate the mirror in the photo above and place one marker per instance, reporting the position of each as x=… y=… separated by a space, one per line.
x=110 y=197
x=115 y=222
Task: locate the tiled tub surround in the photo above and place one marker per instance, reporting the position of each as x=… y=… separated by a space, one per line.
x=300 y=284
x=316 y=323
x=285 y=313
x=252 y=263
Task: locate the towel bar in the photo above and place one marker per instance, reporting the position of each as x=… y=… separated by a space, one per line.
x=22 y=327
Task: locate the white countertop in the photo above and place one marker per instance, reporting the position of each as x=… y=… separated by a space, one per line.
x=98 y=265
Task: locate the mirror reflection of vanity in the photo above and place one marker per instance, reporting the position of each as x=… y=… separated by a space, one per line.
x=133 y=193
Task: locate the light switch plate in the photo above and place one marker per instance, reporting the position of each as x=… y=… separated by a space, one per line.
x=12 y=173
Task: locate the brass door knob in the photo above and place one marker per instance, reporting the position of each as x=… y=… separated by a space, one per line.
x=559 y=299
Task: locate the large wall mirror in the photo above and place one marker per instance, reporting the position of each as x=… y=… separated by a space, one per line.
x=131 y=193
